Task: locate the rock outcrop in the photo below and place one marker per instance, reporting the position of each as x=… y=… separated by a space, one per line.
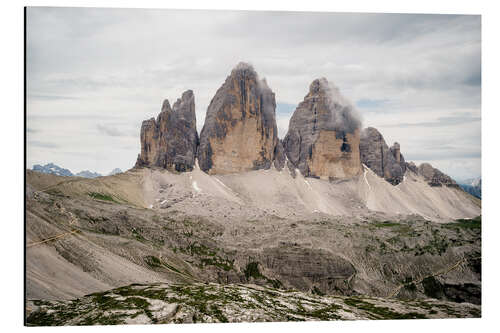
x=435 y=177
x=240 y=132
x=390 y=164
x=386 y=162
x=323 y=135
x=279 y=156
x=171 y=140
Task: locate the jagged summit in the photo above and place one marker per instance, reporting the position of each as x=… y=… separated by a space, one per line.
x=324 y=138
x=240 y=131
x=386 y=162
x=171 y=140
x=435 y=177
x=166 y=106
x=53 y=169
x=323 y=134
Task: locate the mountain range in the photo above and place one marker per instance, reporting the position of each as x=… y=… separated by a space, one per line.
x=53 y=169
x=472 y=186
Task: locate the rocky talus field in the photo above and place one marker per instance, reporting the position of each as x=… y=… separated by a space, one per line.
x=191 y=247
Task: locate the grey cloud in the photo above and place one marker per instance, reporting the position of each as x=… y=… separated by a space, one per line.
x=328 y=27
x=109 y=130
x=371 y=103
x=440 y=155
x=42 y=144
x=440 y=122
x=48 y=97
x=69 y=116
x=474 y=79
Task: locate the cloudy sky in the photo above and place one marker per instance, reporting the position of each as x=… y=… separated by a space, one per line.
x=93 y=75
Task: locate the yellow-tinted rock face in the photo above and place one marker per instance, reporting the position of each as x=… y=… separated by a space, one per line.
x=334 y=157
x=240 y=132
x=323 y=135
x=241 y=150
x=149 y=143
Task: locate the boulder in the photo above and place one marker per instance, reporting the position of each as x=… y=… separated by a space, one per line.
x=323 y=134
x=240 y=132
x=279 y=156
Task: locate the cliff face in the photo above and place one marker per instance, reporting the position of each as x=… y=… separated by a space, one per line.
x=240 y=132
x=386 y=162
x=171 y=140
x=323 y=135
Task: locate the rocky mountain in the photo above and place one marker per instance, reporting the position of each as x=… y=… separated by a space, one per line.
x=435 y=177
x=88 y=174
x=472 y=186
x=240 y=132
x=324 y=138
x=170 y=141
x=386 y=162
x=53 y=169
x=115 y=171
x=472 y=181
x=324 y=134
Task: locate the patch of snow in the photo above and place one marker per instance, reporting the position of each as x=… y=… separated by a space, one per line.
x=366 y=180
x=196 y=188
x=425 y=217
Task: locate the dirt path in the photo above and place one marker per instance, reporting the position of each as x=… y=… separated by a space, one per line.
x=74 y=231
x=444 y=271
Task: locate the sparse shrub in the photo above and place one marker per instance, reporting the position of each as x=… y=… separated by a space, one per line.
x=101 y=196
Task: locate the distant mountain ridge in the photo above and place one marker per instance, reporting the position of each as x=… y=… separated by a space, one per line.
x=115 y=171
x=472 y=186
x=88 y=174
x=54 y=169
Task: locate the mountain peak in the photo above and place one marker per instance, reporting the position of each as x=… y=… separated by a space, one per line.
x=240 y=131
x=170 y=141
x=53 y=169
x=243 y=68
x=115 y=171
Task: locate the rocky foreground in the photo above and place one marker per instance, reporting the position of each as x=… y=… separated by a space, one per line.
x=209 y=302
